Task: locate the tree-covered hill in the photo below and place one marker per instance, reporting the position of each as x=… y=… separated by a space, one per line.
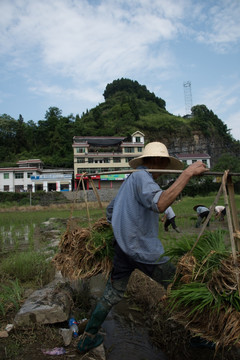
x=128 y=107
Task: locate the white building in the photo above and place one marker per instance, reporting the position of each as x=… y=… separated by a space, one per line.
x=189 y=159
x=96 y=154
x=30 y=176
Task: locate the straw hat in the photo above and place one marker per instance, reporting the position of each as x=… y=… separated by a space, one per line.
x=196 y=206
x=156 y=149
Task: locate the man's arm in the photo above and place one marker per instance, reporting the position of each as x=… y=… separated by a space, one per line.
x=168 y=196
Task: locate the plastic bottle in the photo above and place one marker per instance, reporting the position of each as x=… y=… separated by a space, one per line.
x=73 y=326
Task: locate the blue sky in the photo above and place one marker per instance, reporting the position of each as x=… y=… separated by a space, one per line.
x=63 y=53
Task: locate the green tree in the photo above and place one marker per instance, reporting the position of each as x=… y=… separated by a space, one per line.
x=228 y=162
x=8 y=130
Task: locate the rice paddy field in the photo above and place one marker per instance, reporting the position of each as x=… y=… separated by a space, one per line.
x=18 y=224
x=20 y=228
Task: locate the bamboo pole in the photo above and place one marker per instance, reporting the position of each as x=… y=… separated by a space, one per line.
x=85 y=199
x=230 y=227
x=208 y=217
x=160 y=171
x=96 y=194
x=233 y=211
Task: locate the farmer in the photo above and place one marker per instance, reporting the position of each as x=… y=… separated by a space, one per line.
x=169 y=219
x=220 y=212
x=134 y=215
x=202 y=212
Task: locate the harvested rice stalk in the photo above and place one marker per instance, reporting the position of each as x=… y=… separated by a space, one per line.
x=85 y=252
x=185 y=268
x=220 y=326
x=204 y=296
x=223 y=280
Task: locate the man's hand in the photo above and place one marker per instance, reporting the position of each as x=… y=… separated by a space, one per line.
x=196 y=168
x=168 y=196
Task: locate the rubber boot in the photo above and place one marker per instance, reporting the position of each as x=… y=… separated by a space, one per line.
x=91 y=338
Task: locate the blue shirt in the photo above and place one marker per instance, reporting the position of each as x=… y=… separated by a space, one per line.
x=135 y=218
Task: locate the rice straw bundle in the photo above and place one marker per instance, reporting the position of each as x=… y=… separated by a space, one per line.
x=204 y=295
x=85 y=252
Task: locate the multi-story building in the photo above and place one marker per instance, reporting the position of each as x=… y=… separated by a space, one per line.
x=30 y=176
x=96 y=154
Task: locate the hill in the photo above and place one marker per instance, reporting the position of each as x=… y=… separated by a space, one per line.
x=128 y=107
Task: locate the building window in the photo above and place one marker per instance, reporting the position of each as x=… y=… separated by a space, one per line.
x=29 y=175
x=139 y=149
x=129 y=149
x=127 y=159
x=138 y=139
x=204 y=161
x=106 y=160
x=19 y=188
x=6 y=175
x=117 y=160
x=29 y=187
x=18 y=175
x=90 y=160
x=193 y=161
x=80 y=160
x=6 y=188
x=80 y=150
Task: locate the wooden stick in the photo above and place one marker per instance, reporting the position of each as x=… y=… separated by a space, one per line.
x=160 y=171
x=85 y=199
x=208 y=217
x=96 y=194
x=230 y=227
x=233 y=210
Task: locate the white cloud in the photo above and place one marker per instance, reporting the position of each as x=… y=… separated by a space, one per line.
x=233 y=122
x=222 y=25
x=72 y=48
x=81 y=39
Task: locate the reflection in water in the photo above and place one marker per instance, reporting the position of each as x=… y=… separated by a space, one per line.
x=15 y=238
x=127 y=339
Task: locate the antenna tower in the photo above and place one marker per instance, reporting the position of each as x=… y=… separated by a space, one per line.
x=188 y=97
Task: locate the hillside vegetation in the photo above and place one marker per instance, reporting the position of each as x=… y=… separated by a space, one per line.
x=128 y=107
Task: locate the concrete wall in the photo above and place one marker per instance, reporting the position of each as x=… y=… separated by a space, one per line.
x=106 y=195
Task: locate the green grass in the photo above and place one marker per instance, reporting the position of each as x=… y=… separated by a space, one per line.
x=26 y=267
x=10 y=296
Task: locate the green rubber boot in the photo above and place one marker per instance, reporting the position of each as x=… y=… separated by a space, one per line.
x=91 y=338
x=89 y=341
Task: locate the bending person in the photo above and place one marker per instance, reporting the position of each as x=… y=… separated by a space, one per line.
x=202 y=212
x=169 y=219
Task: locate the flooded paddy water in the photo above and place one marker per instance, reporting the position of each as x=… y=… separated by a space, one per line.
x=14 y=238
x=127 y=337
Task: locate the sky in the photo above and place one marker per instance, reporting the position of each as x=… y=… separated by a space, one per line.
x=63 y=53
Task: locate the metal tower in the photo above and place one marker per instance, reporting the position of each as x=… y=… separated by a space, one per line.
x=188 y=97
